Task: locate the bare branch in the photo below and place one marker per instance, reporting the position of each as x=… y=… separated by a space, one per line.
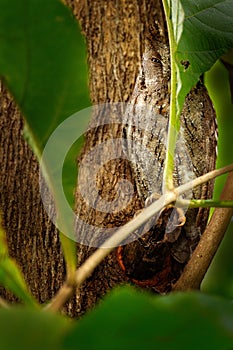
x=204 y=178
x=64 y=293
x=87 y=268
x=198 y=264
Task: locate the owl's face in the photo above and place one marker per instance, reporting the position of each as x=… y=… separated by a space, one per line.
x=156 y=66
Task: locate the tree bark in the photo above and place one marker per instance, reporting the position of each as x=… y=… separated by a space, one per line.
x=115 y=32
x=32 y=239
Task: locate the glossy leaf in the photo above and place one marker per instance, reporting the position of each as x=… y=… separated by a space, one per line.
x=200 y=38
x=132 y=320
x=42 y=62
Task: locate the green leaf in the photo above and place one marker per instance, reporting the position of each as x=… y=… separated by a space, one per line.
x=70 y=167
x=69 y=251
x=10 y=275
x=207 y=34
x=42 y=61
x=128 y=319
x=219 y=277
x=199 y=33
x=12 y=279
x=217 y=82
x=24 y=329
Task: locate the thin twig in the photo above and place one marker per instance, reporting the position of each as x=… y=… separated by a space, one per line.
x=87 y=268
x=203 y=203
x=199 y=262
x=204 y=178
x=65 y=292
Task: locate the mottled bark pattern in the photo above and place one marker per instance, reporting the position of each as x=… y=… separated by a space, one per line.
x=32 y=239
x=116 y=36
x=146 y=128
x=115 y=33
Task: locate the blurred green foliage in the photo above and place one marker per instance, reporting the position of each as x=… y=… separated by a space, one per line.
x=219 y=279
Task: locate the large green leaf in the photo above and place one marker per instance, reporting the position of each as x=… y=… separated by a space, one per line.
x=42 y=61
x=207 y=34
x=132 y=320
x=217 y=82
x=126 y=319
x=24 y=329
x=199 y=33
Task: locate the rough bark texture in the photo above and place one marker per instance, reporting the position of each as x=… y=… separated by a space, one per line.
x=32 y=239
x=115 y=31
x=115 y=38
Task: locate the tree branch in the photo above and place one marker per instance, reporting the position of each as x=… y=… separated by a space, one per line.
x=199 y=262
x=203 y=203
x=87 y=268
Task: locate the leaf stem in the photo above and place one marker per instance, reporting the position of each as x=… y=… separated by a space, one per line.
x=174 y=123
x=209 y=203
x=69 y=252
x=68 y=245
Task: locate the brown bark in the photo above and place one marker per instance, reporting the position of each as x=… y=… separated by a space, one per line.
x=32 y=239
x=115 y=32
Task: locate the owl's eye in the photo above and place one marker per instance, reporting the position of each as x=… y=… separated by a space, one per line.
x=156 y=60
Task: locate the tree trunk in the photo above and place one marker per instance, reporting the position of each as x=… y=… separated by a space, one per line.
x=32 y=239
x=115 y=33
